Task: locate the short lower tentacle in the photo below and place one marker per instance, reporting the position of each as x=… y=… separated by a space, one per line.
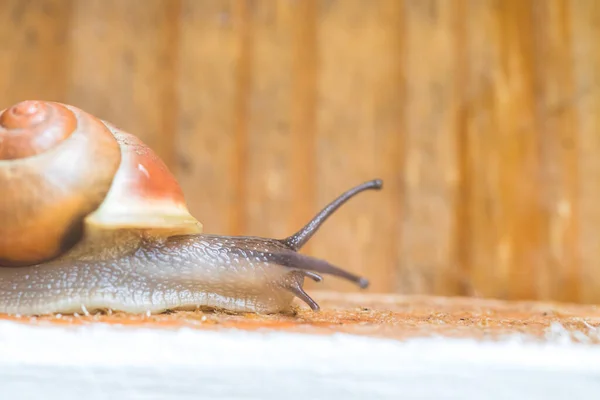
x=296 y=289
x=312 y=275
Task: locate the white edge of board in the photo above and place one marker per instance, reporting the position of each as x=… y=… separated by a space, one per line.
x=111 y=362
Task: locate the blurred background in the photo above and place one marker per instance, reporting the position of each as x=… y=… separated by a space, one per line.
x=482 y=118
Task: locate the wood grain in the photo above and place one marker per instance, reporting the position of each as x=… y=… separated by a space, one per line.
x=359 y=133
x=34 y=61
x=383 y=316
x=584 y=22
x=430 y=169
x=364 y=346
x=501 y=143
x=558 y=277
x=481 y=117
x=122 y=66
x=210 y=139
x=268 y=206
x=303 y=115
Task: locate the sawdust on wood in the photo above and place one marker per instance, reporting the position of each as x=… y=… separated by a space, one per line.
x=389 y=316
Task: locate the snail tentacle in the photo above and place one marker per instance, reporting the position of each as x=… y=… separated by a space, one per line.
x=302 y=262
x=312 y=275
x=296 y=289
x=299 y=239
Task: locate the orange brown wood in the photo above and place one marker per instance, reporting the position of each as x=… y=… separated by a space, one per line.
x=384 y=316
x=481 y=117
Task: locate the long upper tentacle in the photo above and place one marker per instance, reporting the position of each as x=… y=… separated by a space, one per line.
x=297 y=240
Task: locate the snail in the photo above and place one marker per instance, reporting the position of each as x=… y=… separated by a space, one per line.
x=91 y=219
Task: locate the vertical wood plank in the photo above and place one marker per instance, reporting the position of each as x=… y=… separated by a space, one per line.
x=558 y=277
x=34 y=52
x=212 y=83
x=481 y=64
x=268 y=199
x=359 y=128
x=242 y=113
x=122 y=66
x=501 y=239
x=505 y=215
x=303 y=113
x=462 y=215
x=584 y=25
x=479 y=142
x=520 y=181
x=431 y=169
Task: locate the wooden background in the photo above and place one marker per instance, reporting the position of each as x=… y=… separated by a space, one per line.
x=482 y=117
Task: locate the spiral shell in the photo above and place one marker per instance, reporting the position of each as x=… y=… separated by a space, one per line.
x=32 y=127
x=62 y=171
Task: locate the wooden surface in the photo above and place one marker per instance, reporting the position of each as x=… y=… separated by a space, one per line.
x=481 y=117
x=378 y=316
x=310 y=357
x=361 y=346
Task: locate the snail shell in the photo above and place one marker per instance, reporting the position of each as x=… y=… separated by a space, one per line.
x=92 y=219
x=65 y=170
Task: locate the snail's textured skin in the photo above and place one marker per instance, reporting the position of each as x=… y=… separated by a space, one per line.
x=179 y=273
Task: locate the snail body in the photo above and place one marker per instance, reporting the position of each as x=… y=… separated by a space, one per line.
x=91 y=219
